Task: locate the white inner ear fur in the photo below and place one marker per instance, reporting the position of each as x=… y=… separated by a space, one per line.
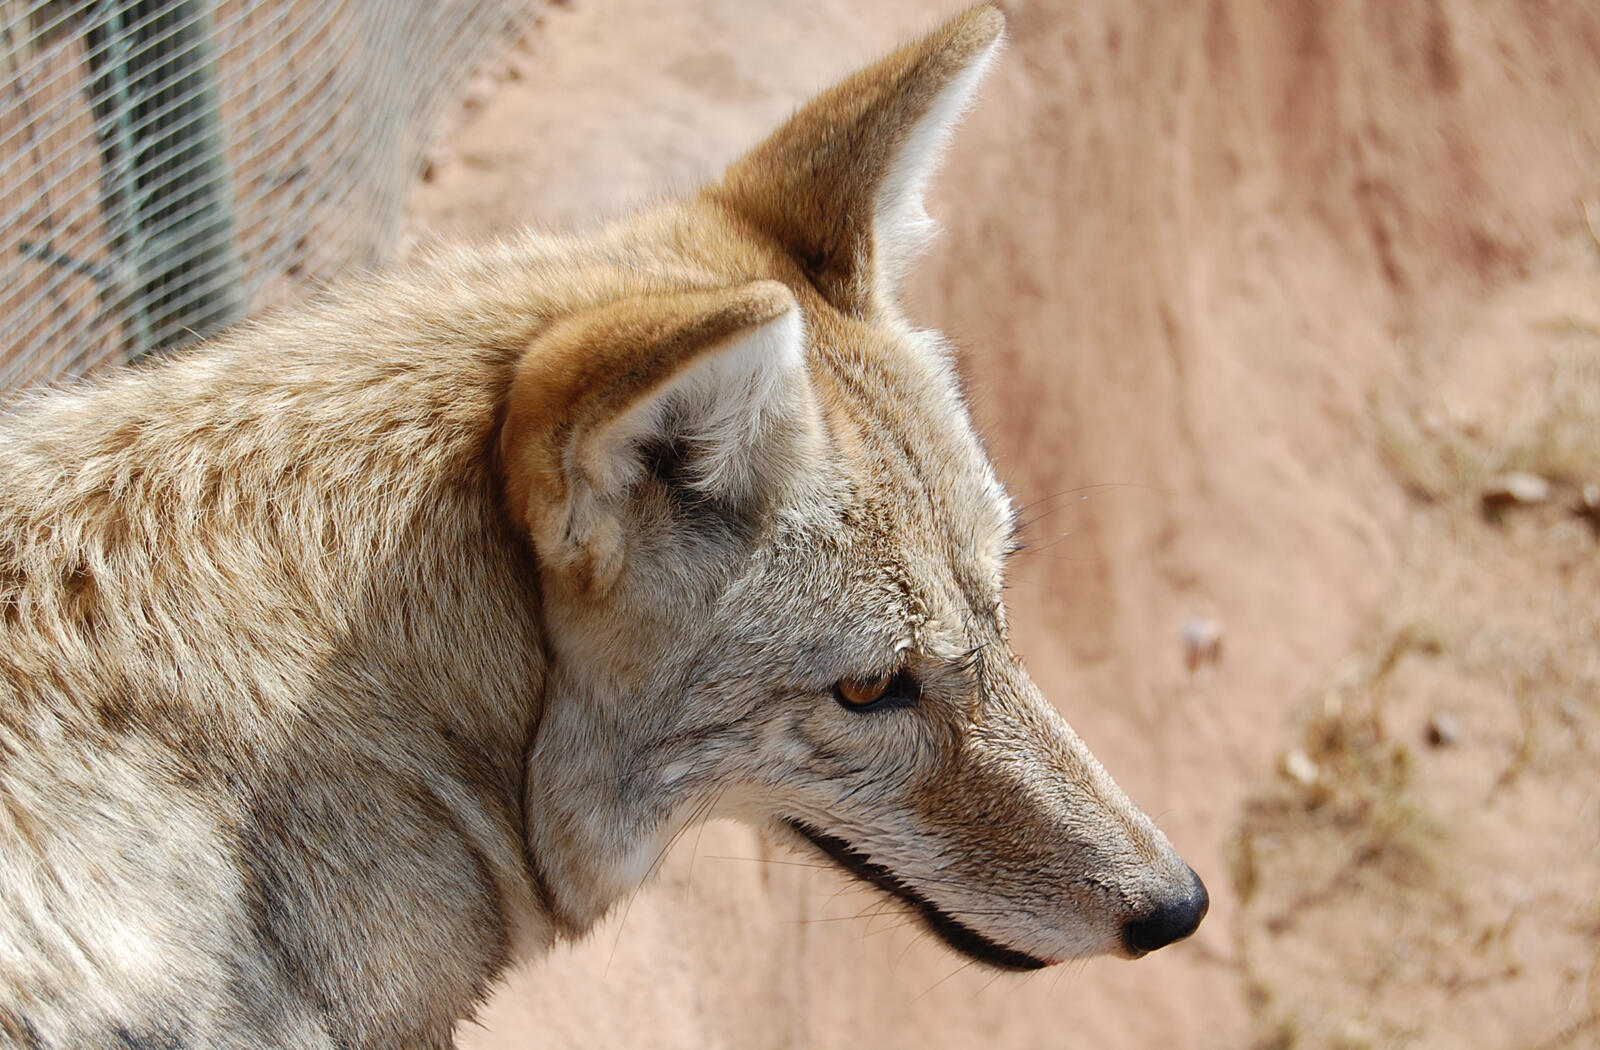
x=902 y=226
x=721 y=405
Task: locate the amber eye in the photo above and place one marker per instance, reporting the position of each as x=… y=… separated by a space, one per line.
x=863 y=691
x=895 y=689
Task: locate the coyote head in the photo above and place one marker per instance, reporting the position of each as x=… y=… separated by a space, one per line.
x=771 y=551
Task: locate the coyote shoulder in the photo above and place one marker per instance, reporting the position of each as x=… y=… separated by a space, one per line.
x=354 y=654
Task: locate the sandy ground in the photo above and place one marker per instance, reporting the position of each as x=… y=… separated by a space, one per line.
x=1255 y=299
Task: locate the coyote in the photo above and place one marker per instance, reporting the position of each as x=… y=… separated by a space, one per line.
x=362 y=650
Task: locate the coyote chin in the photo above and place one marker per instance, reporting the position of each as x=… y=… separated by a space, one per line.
x=354 y=653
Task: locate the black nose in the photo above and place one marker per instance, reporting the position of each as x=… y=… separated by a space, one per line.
x=1170 y=922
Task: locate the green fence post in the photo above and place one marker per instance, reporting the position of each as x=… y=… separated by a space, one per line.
x=165 y=190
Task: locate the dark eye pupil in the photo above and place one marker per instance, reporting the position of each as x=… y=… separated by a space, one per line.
x=873 y=694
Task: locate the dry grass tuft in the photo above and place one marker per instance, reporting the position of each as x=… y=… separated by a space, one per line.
x=1553 y=433
x=1393 y=893
x=1358 y=797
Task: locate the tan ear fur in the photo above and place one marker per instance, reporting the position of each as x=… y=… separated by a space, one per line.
x=840 y=185
x=584 y=389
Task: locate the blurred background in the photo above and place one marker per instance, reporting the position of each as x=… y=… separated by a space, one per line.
x=1282 y=320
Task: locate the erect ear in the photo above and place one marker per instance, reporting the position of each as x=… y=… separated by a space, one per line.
x=688 y=387
x=841 y=184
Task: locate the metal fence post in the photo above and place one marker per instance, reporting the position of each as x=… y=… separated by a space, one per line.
x=165 y=186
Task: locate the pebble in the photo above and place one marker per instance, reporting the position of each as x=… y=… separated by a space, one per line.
x=1299 y=767
x=1444 y=729
x=1512 y=490
x=1515 y=488
x=1202 y=642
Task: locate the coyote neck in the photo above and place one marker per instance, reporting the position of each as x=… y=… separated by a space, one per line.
x=269 y=580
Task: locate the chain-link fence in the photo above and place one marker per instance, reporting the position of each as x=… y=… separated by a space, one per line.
x=167 y=166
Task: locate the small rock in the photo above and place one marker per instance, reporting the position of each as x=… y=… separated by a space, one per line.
x=1202 y=642
x=1297 y=765
x=1443 y=729
x=1515 y=489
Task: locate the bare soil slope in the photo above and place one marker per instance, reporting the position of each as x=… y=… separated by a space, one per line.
x=1214 y=266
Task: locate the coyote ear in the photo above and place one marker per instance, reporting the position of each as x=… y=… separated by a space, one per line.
x=841 y=184
x=687 y=384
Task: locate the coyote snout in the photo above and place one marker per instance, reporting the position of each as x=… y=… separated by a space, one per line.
x=1013 y=845
x=351 y=654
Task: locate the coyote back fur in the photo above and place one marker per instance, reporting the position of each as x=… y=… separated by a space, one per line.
x=352 y=655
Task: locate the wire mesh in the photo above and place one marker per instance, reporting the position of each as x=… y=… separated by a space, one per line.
x=167 y=166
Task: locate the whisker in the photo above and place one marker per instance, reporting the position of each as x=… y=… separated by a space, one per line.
x=700 y=830
x=943 y=979
x=815 y=865
x=695 y=818
x=1078 y=490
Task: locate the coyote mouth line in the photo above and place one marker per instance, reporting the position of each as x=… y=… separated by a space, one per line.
x=952 y=931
